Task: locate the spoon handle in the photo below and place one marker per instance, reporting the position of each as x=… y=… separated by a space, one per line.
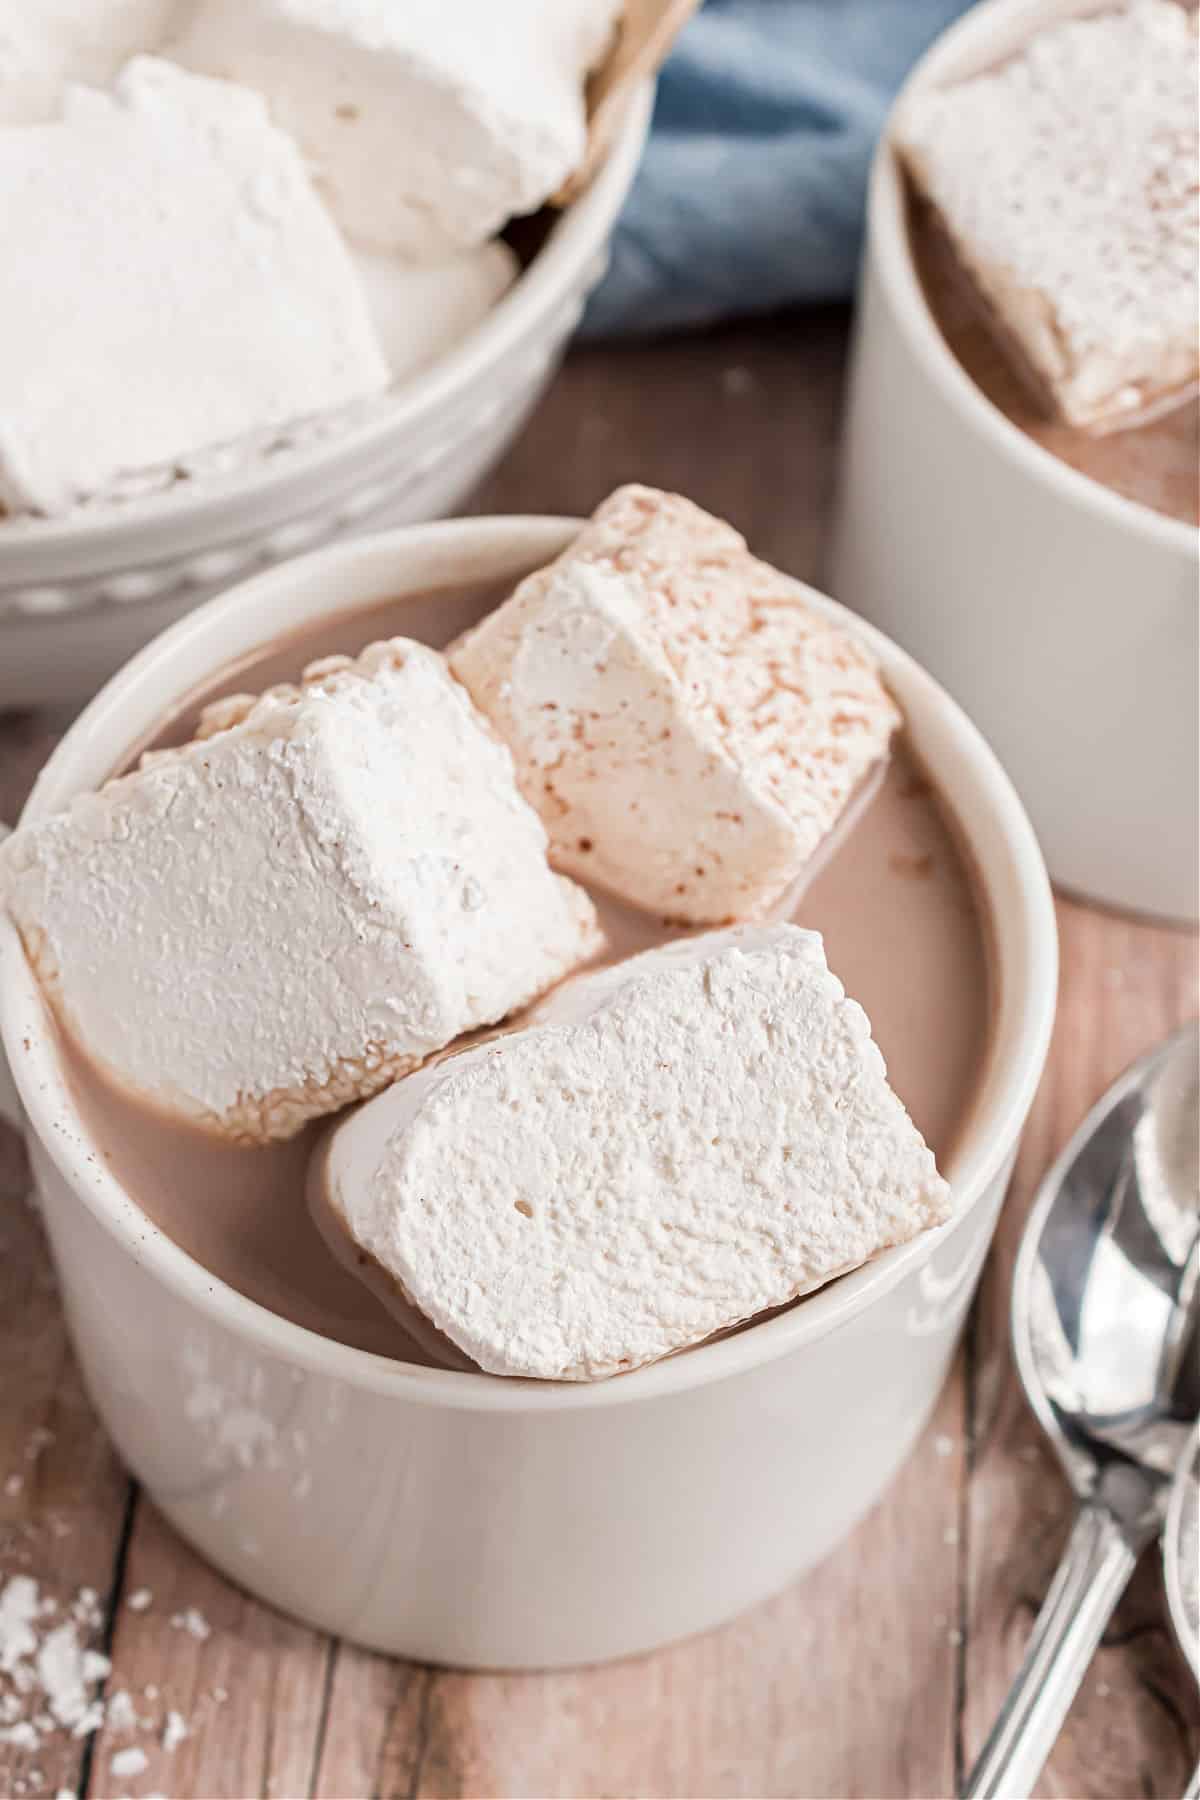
x=1091 y=1577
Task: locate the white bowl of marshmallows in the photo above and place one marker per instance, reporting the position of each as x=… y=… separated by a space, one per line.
x=264 y=298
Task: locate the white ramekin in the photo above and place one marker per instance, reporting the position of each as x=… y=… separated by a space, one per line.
x=455 y=1517
x=79 y=596
x=1061 y=616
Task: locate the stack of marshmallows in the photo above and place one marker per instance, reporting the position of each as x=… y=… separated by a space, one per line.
x=334 y=882
x=226 y=221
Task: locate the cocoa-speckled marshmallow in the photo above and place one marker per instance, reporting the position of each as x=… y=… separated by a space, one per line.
x=689 y=726
x=1066 y=180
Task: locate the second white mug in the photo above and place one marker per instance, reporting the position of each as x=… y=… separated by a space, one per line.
x=1063 y=617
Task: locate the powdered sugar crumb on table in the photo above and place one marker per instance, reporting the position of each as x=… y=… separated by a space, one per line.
x=193 y=1622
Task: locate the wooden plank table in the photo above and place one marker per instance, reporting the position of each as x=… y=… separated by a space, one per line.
x=877 y=1674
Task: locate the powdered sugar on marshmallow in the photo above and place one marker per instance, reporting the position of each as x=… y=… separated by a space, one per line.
x=429 y=125
x=276 y=920
x=421 y=310
x=672 y=1146
x=688 y=726
x=1069 y=180
x=170 y=204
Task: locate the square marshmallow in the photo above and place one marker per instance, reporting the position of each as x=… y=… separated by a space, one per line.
x=688 y=726
x=668 y=1148
x=47 y=44
x=174 y=284
x=428 y=124
x=1067 y=182
x=422 y=310
x=284 y=915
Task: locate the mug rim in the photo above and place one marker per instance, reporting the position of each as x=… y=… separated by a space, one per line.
x=1016 y=892
x=888 y=248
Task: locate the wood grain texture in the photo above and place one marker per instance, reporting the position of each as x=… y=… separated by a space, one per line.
x=750 y=1710
x=251 y=1691
x=875 y=1676
x=64 y=1498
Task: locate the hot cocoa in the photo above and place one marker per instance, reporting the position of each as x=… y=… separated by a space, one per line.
x=894 y=898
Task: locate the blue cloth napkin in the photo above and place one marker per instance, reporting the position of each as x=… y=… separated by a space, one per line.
x=751 y=192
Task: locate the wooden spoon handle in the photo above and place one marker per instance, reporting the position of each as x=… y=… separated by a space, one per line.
x=647 y=30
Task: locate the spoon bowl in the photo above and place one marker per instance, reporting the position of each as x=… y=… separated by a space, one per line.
x=1103 y=1305
x=1105 y=1314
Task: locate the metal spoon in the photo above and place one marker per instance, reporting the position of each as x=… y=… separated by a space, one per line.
x=1181 y=1551
x=1105 y=1323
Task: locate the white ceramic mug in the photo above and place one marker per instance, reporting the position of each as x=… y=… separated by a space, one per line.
x=1062 y=616
x=457 y=1517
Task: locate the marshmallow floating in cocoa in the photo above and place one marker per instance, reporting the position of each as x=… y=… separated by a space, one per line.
x=669 y=1147
x=330 y=885
x=689 y=726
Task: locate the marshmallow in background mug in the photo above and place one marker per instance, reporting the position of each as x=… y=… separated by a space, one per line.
x=421 y=310
x=1066 y=180
x=181 y=287
x=671 y=1146
x=281 y=917
x=689 y=729
x=429 y=123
